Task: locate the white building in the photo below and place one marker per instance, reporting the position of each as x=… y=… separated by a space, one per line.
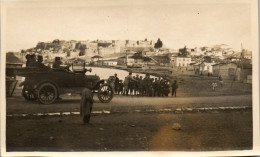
x=181 y=61
x=110 y=62
x=207 y=67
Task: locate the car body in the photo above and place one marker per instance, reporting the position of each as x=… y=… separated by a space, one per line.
x=47 y=84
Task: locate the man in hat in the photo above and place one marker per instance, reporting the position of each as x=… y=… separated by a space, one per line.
x=86 y=105
x=116 y=84
x=57 y=62
x=174 y=88
x=39 y=62
x=32 y=62
x=28 y=59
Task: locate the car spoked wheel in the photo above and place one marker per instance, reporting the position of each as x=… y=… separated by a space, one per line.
x=28 y=94
x=105 y=93
x=47 y=93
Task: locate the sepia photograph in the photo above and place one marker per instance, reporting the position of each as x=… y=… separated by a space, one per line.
x=106 y=76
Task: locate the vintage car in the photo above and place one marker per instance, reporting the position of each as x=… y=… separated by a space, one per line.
x=47 y=84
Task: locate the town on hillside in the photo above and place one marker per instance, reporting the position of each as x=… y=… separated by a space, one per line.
x=144 y=55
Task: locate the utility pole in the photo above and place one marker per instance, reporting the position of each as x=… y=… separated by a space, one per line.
x=240 y=63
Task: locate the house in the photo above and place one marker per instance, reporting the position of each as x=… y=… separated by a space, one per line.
x=96 y=58
x=225 y=70
x=125 y=61
x=182 y=61
x=110 y=62
x=206 y=68
x=191 y=67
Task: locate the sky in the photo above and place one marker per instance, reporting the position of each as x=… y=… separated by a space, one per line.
x=176 y=23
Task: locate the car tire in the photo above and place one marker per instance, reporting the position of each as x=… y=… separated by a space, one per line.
x=105 y=93
x=47 y=93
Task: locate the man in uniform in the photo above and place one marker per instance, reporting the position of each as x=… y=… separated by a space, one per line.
x=140 y=86
x=155 y=87
x=120 y=87
x=57 y=62
x=167 y=88
x=116 y=84
x=126 y=83
x=136 y=89
x=39 y=62
x=28 y=59
x=86 y=105
x=148 y=85
x=32 y=62
x=174 y=88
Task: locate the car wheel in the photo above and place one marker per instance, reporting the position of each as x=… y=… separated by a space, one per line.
x=47 y=93
x=28 y=94
x=105 y=93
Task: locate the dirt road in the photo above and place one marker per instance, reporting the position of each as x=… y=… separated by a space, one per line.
x=124 y=129
x=132 y=132
x=120 y=103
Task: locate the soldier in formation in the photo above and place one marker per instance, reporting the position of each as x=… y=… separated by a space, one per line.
x=147 y=86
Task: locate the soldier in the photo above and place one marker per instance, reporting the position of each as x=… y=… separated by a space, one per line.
x=158 y=87
x=116 y=84
x=140 y=85
x=57 y=62
x=28 y=59
x=155 y=87
x=126 y=83
x=161 y=87
x=120 y=87
x=136 y=90
x=148 y=85
x=174 y=88
x=131 y=86
x=166 y=88
x=111 y=81
x=32 y=62
x=86 y=105
x=39 y=62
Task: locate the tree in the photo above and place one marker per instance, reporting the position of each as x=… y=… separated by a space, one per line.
x=207 y=59
x=183 y=52
x=158 y=44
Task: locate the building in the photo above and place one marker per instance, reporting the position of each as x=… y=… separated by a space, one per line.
x=226 y=70
x=206 y=68
x=110 y=62
x=96 y=58
x=181 y=61
x=125 y=61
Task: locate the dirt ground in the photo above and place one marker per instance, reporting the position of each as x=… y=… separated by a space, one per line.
x=218 y=130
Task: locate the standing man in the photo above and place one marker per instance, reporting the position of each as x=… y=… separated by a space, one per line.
x=214 y=85
x=148 y=85
x=126 y=82
x=116 y=84
x=136 y=86
x=174 y=88
x=86 y=105
x=140 y=85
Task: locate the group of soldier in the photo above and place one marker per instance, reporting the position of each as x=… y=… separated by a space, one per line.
x=139 y=86
x=31 y=61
